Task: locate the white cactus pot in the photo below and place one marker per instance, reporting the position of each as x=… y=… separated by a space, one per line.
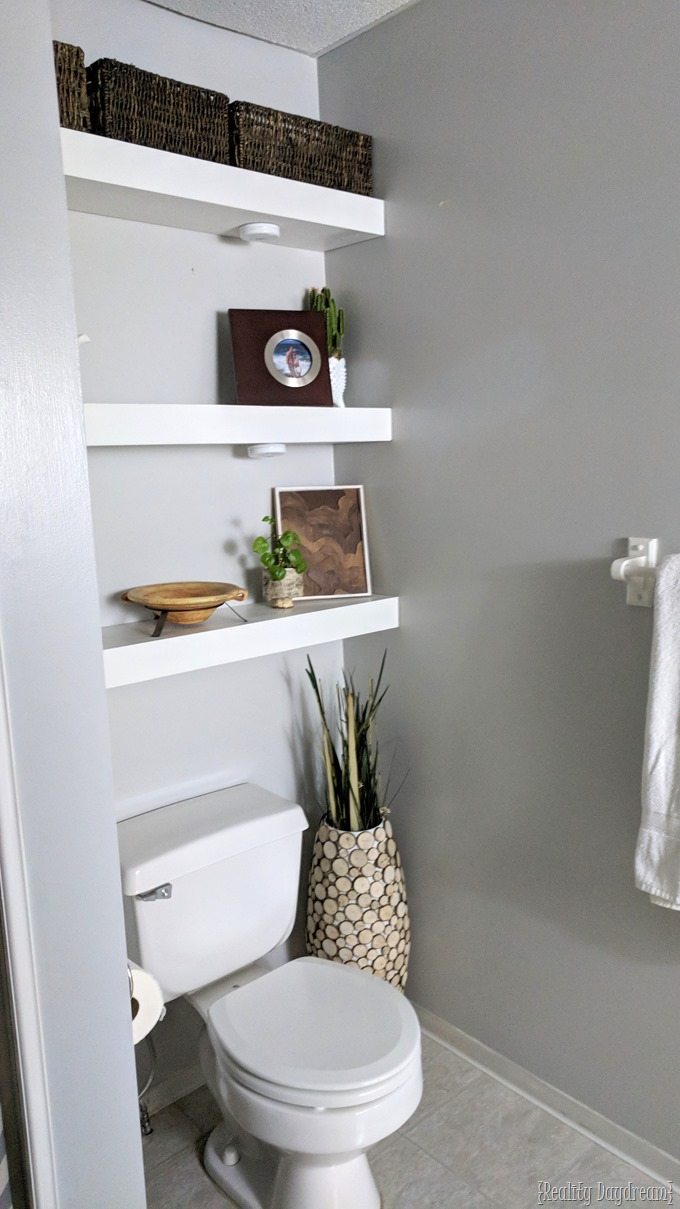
x=338 y=370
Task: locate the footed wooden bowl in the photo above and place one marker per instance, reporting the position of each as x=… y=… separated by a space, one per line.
x=187 y=603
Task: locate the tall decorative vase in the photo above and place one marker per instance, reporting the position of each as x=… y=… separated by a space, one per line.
x=338 y=370
x=357 y=911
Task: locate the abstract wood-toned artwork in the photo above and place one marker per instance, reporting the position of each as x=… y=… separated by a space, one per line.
x=331 y=525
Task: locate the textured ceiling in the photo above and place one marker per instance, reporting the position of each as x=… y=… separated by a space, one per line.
x=312 y=26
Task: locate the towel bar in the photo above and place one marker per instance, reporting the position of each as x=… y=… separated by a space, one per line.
x=638 y=570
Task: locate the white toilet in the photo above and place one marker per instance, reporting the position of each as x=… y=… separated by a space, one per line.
x=312 y=1062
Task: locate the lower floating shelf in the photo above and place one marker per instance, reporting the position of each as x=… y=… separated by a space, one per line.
x=132 y=656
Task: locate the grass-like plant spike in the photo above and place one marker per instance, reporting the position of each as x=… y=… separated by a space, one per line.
x=354 y=796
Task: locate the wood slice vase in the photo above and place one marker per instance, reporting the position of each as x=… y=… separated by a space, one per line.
x=357 y=911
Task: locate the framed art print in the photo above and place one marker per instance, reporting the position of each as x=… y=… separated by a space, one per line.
x=280 y=358
x=331 y=525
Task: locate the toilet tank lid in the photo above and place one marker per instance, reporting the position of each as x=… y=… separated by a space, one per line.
x=180 y=838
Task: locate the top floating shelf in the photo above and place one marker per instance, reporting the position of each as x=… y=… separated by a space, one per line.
x=124 y=180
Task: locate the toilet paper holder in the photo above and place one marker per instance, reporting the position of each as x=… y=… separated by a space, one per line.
x=146 y=1001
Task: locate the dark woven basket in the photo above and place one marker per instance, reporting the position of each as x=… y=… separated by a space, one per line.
x=284 y=144
x=69 y=66
x=140 y=107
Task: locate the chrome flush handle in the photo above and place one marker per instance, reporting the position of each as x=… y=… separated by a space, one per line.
x=150 y=896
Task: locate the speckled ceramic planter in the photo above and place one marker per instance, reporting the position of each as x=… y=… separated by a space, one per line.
x=356 y=907
x=281 y=593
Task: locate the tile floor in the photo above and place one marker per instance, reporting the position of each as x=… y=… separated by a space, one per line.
x=472 y=1144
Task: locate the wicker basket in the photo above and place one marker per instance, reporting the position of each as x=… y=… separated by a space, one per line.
x=140 y=107
x=357 y=911
x=284 y=144
x=69 y=66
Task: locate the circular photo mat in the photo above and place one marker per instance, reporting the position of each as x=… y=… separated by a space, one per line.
x=292 y=358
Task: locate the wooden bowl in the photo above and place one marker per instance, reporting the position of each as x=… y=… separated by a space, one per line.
x=187 y=603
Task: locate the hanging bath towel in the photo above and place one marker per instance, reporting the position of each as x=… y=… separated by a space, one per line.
x=657 y=857
x=5 y=1192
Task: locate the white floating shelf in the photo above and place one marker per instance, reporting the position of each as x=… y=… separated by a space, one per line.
x=132 y=656
x=123 y=180
x=214 y=424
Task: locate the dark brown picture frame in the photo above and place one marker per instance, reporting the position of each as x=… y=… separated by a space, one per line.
x=263 y=379
x=331 y=525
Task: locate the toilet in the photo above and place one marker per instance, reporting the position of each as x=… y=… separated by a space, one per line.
x=312 y=1062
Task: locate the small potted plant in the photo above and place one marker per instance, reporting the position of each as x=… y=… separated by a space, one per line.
x=357 y=911
x=283 y=565
x=323 y=301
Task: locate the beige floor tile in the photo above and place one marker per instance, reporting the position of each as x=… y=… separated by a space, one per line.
x=498 y=1141
x=181 y=1183
x=473 y=1144
x=599 y=1167
x=172 y=1132
x=410 y=1179
x=201 y=1108
x=444 y=1075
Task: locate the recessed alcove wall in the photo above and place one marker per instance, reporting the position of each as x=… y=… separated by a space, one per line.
x=152 y=301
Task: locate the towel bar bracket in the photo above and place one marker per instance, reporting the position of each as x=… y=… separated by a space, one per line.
x=638 y=570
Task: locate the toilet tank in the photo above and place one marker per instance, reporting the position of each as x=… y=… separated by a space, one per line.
x=210 y=884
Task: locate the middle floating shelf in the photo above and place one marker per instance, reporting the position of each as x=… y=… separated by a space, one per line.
x=230 y=424
x=132 y=656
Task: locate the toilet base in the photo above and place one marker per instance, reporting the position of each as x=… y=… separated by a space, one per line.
x=265 y=1179
x=248 y=1182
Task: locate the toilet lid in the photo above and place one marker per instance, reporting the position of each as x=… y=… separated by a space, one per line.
x=317 y=1025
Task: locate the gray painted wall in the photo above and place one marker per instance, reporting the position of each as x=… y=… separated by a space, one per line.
x=522 y=317
x=58 y=867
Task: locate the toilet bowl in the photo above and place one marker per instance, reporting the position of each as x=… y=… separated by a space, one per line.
x=312 y=1064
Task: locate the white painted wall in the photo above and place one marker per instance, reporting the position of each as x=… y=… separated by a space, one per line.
x=58 y=868
x=522 y=317
x=154 y=302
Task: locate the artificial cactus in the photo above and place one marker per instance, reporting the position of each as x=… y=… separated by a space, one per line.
x=323 y=301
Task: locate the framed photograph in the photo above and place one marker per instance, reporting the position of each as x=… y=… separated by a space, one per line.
x=280 y=358
x=331 y=525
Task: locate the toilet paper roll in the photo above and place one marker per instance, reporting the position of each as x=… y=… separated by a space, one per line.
x=146 y=1001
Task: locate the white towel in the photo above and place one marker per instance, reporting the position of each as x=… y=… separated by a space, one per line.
x=657 y=857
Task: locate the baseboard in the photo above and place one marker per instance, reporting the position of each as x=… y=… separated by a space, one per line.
x=619 y=1141
x=163 y=1094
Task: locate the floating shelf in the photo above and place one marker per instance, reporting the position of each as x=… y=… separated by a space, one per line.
x=132 y=656
x=213 y=424
x=123 y=180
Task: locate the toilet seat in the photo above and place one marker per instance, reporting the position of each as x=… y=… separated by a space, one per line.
x=306 y=1098
x=317 y=1034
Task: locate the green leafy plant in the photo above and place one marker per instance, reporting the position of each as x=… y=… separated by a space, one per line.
x=354 y=797
x=323 y=301
x=279 y=552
